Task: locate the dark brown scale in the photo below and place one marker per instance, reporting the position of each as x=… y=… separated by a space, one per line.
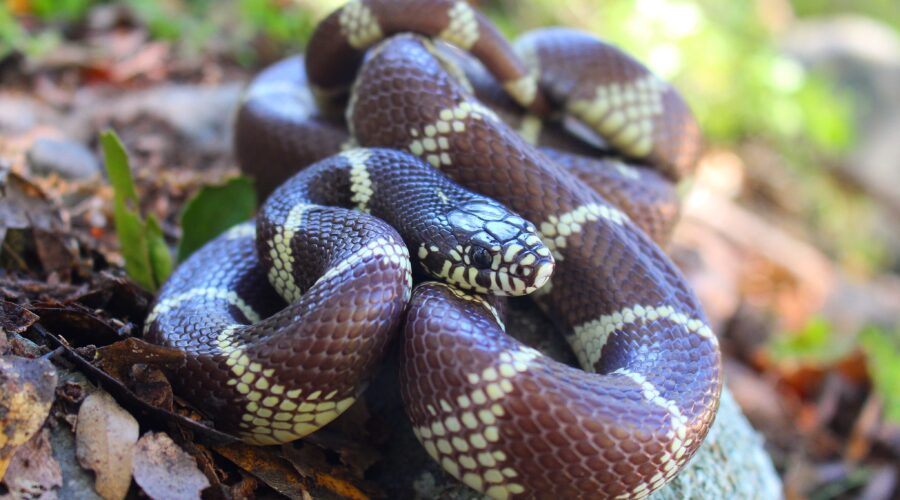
x=278 y=130
x=425 y=207
x=606 y=267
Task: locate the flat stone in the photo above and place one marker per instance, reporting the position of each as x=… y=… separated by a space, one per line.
x=68 y=159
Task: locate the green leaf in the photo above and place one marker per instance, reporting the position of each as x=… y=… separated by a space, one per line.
x=147 y=258
x=158 y=251
x=814 y=344
x=882 y=350
x=213 y=210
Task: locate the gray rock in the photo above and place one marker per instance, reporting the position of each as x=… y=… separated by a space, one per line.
x=20 y=113
x=68 y=159
x=200 y=113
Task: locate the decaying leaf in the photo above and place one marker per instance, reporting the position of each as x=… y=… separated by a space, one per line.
x=27 y=388
x=163 y=470
x=117 y=359
x=15 y=319
x=33 y=472
x=309 y=460
x=132 y=400
x=31 y=228
x=105 y=436
x=267 y=466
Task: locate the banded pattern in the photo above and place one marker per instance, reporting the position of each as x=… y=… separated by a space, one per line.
x=495 y=414
x=345 y=277
x=604 y=265
x=237 y=332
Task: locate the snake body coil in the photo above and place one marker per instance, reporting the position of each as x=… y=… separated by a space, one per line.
x=494 y=413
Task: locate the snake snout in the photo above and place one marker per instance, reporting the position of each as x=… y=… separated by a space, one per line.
x=525 y=265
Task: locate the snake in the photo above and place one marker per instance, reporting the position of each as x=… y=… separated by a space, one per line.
x=401 y=161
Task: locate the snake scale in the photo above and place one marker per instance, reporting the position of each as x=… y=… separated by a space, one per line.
x=546 y=166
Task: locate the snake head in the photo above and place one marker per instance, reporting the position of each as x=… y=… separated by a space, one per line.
x=489 y=250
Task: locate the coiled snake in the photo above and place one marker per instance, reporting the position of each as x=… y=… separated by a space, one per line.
x=286 y=320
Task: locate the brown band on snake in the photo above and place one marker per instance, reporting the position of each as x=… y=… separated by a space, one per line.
x=628 y=313
x=336 y=48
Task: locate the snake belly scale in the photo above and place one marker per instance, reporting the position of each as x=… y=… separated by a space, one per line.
x=286 y=320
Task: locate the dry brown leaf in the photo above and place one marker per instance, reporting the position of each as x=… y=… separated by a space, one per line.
x=15 y=319
x=27 y=388
x=265 y=464
x=33 y=472
x=105 y=436
x=163 y=470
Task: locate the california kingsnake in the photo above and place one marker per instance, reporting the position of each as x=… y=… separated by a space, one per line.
x=496 y=414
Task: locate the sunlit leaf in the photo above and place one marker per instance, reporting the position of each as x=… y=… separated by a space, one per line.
x=213 y=210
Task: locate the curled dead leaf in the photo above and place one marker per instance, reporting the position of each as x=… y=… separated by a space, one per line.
x=105 y=437
x=163 y=470
x=27 y=388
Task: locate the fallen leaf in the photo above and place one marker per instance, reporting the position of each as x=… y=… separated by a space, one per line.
x=33 y=472
x=130 y=399
x=310 y=461
x=27 y=387
x=152 y=386
x=117 y=359
x=15 y=319
x=267 y=466
x=163 y=470
x=105 y=437
x=82 y=326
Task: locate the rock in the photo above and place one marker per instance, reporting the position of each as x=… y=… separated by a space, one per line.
x=68 y=159
x=200 y=113
x=20 y=113
x=862 y=56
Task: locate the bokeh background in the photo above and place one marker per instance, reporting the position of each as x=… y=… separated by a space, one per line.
x=791 y=228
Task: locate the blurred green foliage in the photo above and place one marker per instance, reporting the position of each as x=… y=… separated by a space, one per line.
x=816 y=344
x=882 y=348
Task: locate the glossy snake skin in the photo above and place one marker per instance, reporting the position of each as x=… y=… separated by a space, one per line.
x=497 y=415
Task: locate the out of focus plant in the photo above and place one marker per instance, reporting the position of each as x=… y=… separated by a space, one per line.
x=882 y=348
x=816 y=344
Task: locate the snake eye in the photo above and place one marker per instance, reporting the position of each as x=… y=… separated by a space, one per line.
x=481 y=258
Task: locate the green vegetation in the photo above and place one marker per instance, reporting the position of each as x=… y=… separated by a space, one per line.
x=147 y=258
x=213 y=210
x=882 y=348
x=815 y=344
